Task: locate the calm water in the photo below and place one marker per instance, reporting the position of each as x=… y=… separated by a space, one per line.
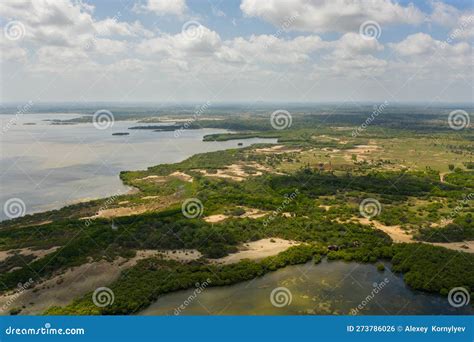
x=329 y=288
x=48 y=166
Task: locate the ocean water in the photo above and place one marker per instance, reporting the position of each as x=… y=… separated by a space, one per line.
x=48 y=166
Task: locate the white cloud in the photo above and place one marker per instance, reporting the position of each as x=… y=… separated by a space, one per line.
x=331 y=15
x=164 y=7
x=422 y=45
x=109 y=47
x=444 y=14
x=67 y=24
x=110 y=27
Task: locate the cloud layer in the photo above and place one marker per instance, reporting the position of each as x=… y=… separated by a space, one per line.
x=306 y=51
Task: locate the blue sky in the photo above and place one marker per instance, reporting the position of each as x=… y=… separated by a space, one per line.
x=237 y=50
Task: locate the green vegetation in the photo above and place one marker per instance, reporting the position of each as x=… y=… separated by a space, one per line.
x=308 y=190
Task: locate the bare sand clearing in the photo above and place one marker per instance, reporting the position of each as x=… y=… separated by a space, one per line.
x=249 y=213
x=62 y=289
x=182 y=176
x=235 y=172
x=38 y=253
x=163 y=202
x=277 y=149
x=253 y=213
x=161 y=179
x=256 y=250
x=77 y=281
x=184 y=255
x=215 y=218
x=457 y=246
x=397 y=234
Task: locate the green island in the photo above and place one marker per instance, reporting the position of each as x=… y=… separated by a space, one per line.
x=306 y=189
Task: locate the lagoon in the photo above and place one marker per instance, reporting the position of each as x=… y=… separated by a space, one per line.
x=329 y=288
x=48 y=166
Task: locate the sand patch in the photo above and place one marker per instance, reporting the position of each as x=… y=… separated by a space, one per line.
x=75 y=282
x=162 y=203
x=215 y=218
x=154 y=178
x=457 y=246
x=182 y=176
x=398 y=235
x=150 y=197
x=235 y=172
x=256 y=250
x=38 y=253
x=249 y=213
x=325 y=207
x=253 y=213
x=62 y=289
x=184 y=255
x=277 y=149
